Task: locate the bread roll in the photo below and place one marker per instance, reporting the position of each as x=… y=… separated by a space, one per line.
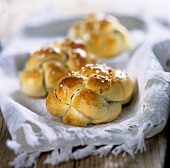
x=103 y=34
x=94 y=94
x=46 y=67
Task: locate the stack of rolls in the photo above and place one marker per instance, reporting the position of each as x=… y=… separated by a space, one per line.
x=79 y=90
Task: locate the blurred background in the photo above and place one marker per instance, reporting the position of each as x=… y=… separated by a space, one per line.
x=15 y=13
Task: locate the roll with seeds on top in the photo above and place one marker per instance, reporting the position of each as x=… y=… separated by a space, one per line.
x=103 y=34
x=95 y=94
x=46 y=67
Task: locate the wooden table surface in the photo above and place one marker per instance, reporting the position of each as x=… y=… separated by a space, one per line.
x=154 y=155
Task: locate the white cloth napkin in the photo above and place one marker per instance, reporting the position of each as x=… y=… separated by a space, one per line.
x=33 y=130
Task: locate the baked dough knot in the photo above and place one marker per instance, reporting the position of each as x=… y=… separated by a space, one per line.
x=46 y=67
x=95 y=94
x=103 y=34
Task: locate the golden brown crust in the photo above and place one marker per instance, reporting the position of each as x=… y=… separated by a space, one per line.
x=32 y=82
x=48 y=66
x=73 y=117
x=103 y=34
x=44 y=54
x=55 y=106
x=95 y=95
x=67 y=87
x=89 y=103
x=53 y=71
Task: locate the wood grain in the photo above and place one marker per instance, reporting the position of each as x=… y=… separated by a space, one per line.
x=153 y=157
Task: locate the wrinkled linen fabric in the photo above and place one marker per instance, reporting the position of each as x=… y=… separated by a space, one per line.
x=33 y=130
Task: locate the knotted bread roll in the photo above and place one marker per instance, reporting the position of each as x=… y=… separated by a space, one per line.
x=94 y=94
x=103 y=34
x=46 y=67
